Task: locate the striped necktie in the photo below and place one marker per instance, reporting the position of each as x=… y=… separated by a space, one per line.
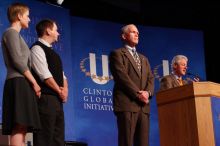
x=136 y=59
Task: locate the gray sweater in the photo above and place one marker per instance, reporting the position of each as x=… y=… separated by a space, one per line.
x=16 y=53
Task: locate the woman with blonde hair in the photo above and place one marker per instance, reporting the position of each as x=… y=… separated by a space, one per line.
x=20 y=114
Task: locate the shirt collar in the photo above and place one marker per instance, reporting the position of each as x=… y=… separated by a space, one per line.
x=130 y=48
x=44 y=42
x=177 y=77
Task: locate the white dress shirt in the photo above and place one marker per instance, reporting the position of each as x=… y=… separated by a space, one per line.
x=39 y=61
x=130 y=49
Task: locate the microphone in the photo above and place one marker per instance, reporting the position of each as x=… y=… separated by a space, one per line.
x=195 y=76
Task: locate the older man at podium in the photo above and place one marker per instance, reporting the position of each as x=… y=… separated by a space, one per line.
x=179 y=68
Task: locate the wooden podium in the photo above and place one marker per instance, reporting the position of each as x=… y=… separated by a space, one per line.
x=185 y=114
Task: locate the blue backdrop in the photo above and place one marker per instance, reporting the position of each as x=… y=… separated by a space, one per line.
x=84 y=47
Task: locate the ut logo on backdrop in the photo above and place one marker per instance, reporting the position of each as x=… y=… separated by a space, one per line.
x=105 y=77
x=92 y=72
x=165 y=69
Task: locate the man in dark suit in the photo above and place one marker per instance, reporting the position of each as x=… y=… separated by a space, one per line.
x=179 y=67
x=133 y=88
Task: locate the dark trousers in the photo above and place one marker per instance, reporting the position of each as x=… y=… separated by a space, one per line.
x=133 y=128
x=52 y=122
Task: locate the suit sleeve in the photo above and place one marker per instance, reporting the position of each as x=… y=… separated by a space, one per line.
x=150 y=79
x=165 y=84
x=120 y=75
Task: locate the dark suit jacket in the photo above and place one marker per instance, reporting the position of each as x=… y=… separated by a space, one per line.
x=170 y=81
x=129 y=80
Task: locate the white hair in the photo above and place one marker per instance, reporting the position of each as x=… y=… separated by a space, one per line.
x=125 y=28
x=176 y=60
